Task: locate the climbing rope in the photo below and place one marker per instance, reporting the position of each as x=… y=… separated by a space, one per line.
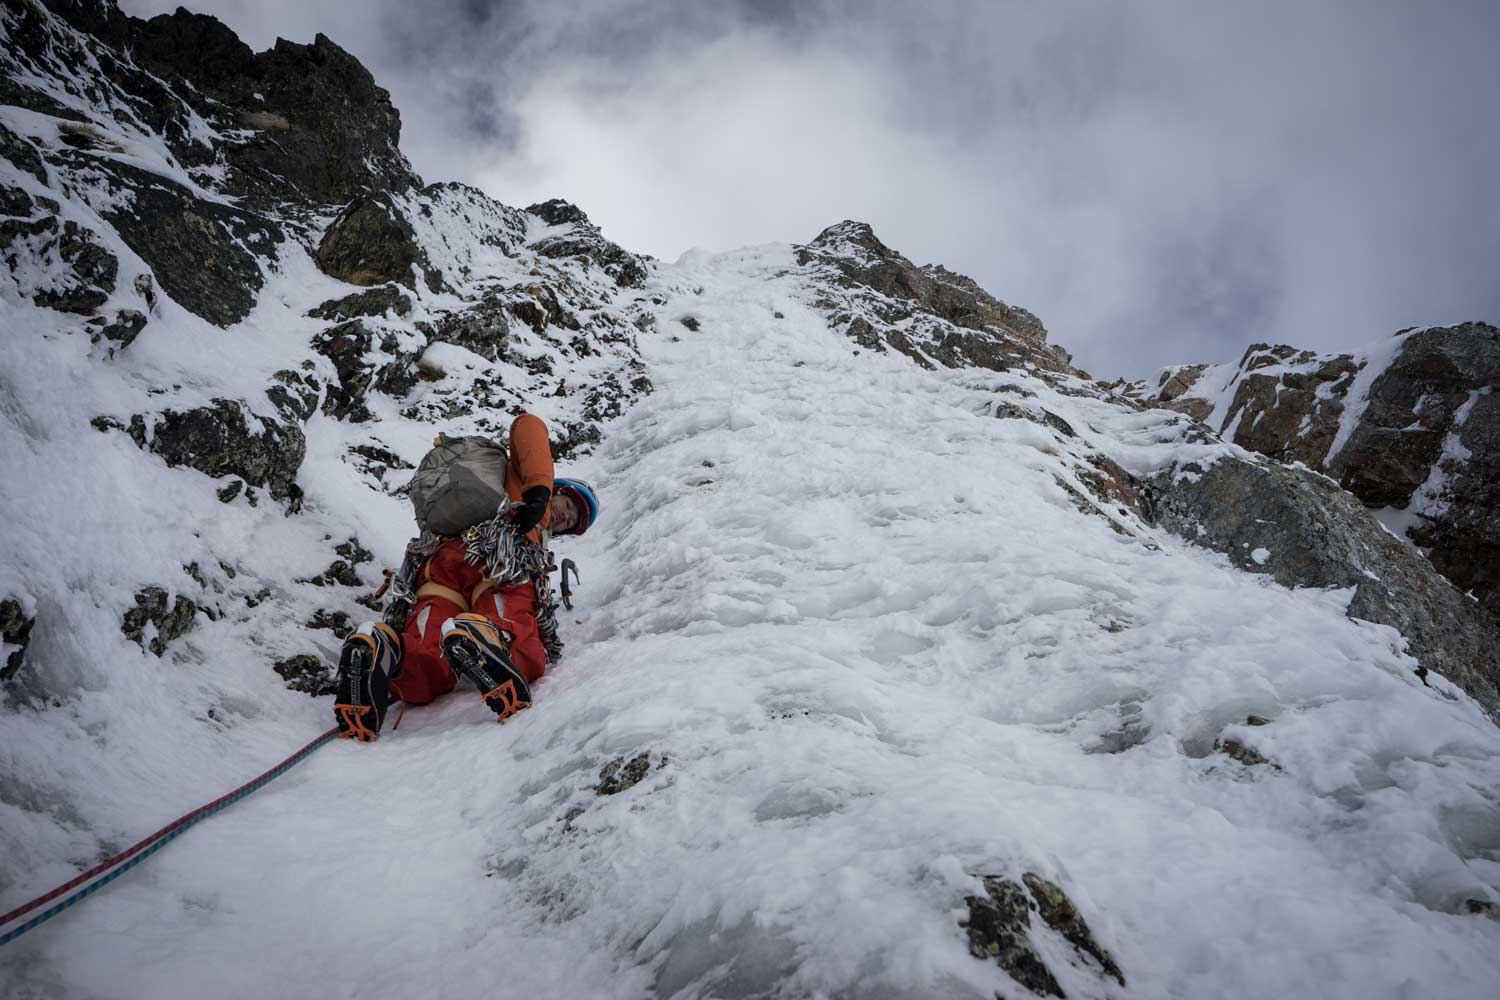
x=132 y=856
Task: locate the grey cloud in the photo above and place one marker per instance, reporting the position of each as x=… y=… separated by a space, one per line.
x=1161 y=182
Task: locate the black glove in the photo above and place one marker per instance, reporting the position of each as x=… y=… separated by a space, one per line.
x=531 y=509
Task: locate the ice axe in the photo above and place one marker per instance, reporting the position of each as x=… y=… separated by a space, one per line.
x=567 y=592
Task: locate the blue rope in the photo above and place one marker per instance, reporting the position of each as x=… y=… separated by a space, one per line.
x=164 y=840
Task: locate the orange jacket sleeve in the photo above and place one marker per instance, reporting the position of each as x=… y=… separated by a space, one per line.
x=530 y=454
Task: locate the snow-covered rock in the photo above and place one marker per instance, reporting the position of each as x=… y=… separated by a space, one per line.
x=1410 y=425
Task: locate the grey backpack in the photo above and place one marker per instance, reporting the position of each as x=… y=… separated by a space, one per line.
x=460 y=483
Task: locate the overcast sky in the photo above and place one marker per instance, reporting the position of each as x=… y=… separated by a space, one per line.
x=1160 y=182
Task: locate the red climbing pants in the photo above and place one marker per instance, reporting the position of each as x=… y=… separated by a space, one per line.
x=450 y=586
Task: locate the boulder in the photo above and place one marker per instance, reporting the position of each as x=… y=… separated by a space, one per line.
x=372 y=243
x=169 y=619
x=306 y=672
x=378 y=301
x=226 y=438
x=1422 y=436
x=1302 y=530
x=999 y=928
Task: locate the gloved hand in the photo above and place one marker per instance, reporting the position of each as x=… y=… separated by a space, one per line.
x=531 y=509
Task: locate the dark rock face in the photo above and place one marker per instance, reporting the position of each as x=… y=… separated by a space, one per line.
x=618 y=775
x=320 y=129
x=584 y=241
x=483 y=328
x=199 y=251
x=21 y=153
x=999 y=927
x=226 y=439
x=1426 y=438
x=375 y=302
x=82 y=274
x=15 y=631
x=307 y=673
x=352 y=347
x=1304 y=531
x=882 y=300
x=557 y=212
x=371 y=243
x=171 y=619
x=1292 y=416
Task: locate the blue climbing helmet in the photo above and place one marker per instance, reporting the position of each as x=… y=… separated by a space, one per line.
x=582 y=495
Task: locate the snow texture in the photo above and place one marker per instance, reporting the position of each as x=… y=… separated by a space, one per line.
x=869 y=643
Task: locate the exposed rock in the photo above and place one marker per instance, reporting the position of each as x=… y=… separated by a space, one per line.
x=341 y=571
x=226 y=438
x=1309 y=533
x=1424 y=437
x=999 y=927
x=691 y=322
x=352 y=347
x=483 y=328
x=1238 y=751
x=557 y=212
x=15 y=203
x=295 y=394
x=932 y=315
x=21 y=153
x=202 y=253
x=127 y=325
x=307 y=673
x=15 y=633
x=1059 y=913
x=584 y=241
x=313 y=124
x=376 y=302
x=371 y=243
x=170 y=620
x=337 y=622
x=618 y=775
x=76 y=274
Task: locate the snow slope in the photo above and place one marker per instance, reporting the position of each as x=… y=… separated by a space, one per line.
x=873 y=647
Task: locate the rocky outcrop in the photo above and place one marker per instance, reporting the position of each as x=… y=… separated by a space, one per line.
x=1411 y=428
x=60 y=265
x=935 y=316
x=379 y=301
x=15 y=635
x=307 y=673
x=999 y=928
x=226 y=438
x=1302 y=530
x=363 y=359
x=582 y=240
x=155 y=620
x=203 y=253
x=302 y=122
x=371 y=243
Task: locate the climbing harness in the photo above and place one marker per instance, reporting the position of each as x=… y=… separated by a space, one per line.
x=102 y=874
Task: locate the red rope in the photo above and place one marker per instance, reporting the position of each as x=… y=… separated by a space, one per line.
x=136 y=848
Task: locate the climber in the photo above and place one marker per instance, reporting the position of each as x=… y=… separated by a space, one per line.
x=472 y=596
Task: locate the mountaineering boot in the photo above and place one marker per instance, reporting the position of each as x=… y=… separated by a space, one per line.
x=476 y=648
x=370 y=658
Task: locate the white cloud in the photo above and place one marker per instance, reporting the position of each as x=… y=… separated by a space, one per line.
x=1159 y=181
